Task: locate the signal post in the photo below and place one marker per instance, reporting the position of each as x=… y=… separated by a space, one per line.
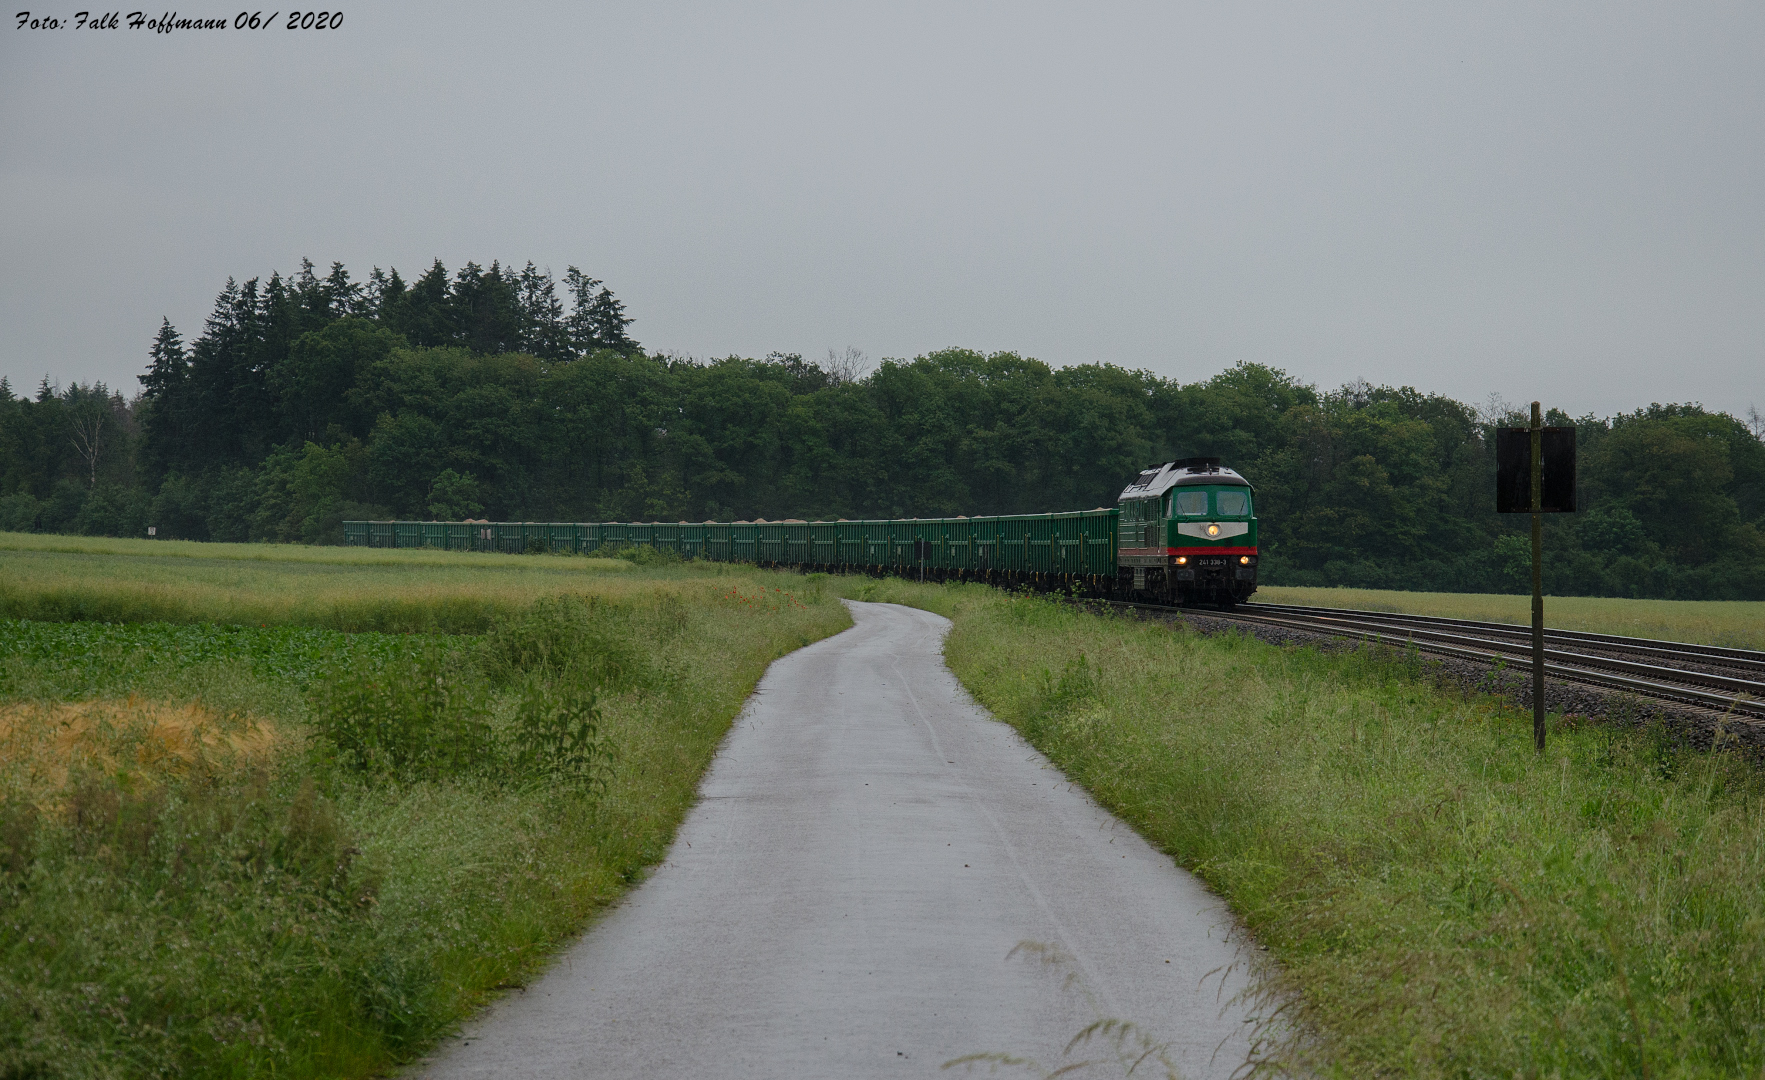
x=1535 y=474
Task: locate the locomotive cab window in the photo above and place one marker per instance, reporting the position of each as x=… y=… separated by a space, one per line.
x=1233 y=503
x=1191 y=503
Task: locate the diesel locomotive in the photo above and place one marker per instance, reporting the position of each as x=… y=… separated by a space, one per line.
x=1181 y=533
x=1187 y=534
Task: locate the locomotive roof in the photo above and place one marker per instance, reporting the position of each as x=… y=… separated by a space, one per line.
x=1161 y=478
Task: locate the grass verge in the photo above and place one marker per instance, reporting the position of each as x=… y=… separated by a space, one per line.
x=247 y=850
x=1443 y=902
x=281 y=554
x=1738 y=624
x=349 y=589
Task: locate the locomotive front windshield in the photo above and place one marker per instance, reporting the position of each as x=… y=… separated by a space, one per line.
x=1233 y=503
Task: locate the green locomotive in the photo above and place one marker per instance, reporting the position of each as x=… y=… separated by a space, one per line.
x=1187 y=535
x=1183 y=533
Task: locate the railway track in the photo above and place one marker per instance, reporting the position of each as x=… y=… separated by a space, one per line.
x=1708 y=676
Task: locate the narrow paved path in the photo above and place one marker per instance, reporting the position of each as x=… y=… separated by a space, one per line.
x=869 y=847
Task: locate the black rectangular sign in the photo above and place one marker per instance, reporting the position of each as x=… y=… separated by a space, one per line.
x=1513 y=470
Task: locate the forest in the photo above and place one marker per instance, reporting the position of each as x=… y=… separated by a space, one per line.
x=507 y=394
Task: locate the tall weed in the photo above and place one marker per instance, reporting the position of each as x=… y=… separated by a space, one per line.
x=558 y=738
x=177 y=929
x=588 y=639
x=413 y=715
x=640 y=554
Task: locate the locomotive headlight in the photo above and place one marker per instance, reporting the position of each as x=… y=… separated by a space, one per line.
x=1213 y=530
x=1182 y=560
x=1244 y=560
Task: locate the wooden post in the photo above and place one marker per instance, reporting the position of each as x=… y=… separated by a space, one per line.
x=1537 y=581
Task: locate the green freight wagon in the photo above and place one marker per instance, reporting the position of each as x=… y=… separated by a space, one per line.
x=1182 y=532
x=1048 y=550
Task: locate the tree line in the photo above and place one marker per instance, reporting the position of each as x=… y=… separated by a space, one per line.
x=499 y=393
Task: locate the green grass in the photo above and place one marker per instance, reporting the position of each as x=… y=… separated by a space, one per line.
x=1733 y=623
x=73 y=578
x=264 y=552
x=325 y=915
x=1443 y=902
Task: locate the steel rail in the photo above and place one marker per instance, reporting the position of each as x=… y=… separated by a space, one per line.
x=1524 y=648
x=1749 y=659
x=1509 y=648
x=1649 y=680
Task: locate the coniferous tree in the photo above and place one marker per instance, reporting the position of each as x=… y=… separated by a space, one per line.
x=487 y=312
x=194 y=422
x=373 y=293
x=421 y=312
x=251 y=428
x=282 y=318
x=343 y=297
x=608 y=319
x=306 y=286
x=383 y=293
x=597 y=319
x=543 y=333
x=581 y=288
x=229 y=412
x=166 y=388
x=167 y=365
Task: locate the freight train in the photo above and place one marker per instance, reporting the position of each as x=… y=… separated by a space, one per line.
x=1181 y=533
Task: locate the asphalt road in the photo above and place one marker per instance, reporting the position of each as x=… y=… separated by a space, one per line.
x=869 y=848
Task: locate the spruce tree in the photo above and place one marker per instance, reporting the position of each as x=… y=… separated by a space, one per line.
x=607 y=319
x=306 y=285
x=167 y=363
x=543 y=333
x=253 y=405
x=597 y=318
x=228 y=407
x=580 y=324
x=282 y=316
x=424 y=315
x=373 y=294
x=392 y=302
x=343 y=297
x=486 y=309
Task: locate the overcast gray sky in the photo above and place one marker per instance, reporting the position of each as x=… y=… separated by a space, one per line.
x=1556 y=200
